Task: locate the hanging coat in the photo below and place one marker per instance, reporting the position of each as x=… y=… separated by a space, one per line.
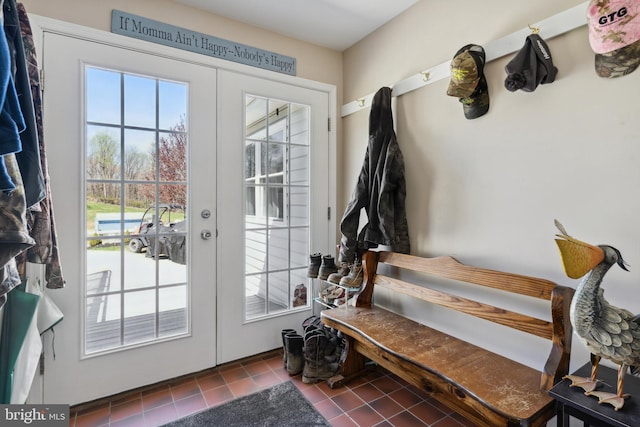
x=29 y=157
x=380 y=190
x=41 y=221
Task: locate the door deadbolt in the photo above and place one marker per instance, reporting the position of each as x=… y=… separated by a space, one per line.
x=206 y=214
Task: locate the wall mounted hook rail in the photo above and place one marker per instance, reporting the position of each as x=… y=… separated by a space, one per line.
x=553 y=26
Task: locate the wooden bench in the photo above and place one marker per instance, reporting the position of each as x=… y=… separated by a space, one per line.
x=485 y=387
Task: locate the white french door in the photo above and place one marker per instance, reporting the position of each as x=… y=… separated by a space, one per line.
x=131 y=143
x=273 y=172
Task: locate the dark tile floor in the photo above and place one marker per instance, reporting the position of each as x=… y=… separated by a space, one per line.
x=377 y=399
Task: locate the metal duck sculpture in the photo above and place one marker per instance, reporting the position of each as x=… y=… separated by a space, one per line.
x=607 y=331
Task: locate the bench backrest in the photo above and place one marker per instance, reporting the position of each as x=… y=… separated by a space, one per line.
x=558 y=330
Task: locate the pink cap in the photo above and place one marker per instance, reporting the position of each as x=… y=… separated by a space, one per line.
x=613 y=24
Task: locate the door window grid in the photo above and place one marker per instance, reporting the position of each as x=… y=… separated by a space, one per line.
x=277 y=205
x=131 y=298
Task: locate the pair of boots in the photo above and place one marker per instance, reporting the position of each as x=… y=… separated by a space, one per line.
x=322 y=350
x=316 y=354
x=349 y=275
x=321 y=266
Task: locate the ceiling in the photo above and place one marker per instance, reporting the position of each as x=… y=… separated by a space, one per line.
x=336 y=24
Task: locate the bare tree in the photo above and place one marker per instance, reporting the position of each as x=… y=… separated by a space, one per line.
x=135 y=166
x=103 y=163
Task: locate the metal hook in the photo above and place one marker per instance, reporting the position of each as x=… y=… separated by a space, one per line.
x=425 y=76
x=360 y=102
x=534 y=30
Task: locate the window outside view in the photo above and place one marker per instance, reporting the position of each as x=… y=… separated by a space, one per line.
x=136 y=199
x=277 y=206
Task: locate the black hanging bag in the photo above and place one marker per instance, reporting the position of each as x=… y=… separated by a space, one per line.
x=531 y=66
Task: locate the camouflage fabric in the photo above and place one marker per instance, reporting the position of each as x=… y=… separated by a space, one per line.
x=29 y=157
x=478 y=103
x=9 y=279
x=14 y=237
x=618 y=63
x=613 y=24
x=466 y=69
x=40 y=218
x=614 y=36
x=381 y=190
x=468 y=82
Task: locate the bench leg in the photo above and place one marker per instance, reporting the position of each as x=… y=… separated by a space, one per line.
x=352 y=364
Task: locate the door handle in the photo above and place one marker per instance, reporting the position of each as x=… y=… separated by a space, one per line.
x=205 y=234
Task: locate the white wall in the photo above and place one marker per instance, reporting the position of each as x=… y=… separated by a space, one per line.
x=487 y=190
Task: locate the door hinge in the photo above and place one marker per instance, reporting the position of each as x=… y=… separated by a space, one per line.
x=41 y=80
x=329 y=213
x=329 y=124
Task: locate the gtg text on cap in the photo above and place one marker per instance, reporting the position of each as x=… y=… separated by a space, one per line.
x=468 y=82
x=614 y=35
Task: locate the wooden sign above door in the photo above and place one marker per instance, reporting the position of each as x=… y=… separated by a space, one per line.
x=141 y=28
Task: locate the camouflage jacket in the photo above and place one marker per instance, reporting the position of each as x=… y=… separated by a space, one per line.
x=380 y=190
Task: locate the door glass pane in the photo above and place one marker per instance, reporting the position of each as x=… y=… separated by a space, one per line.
x=136 y=199
x=140 y=101
x=276 y=173
x=105 y=86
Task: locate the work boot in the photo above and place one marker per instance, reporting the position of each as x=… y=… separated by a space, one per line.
x=333 y=293
x=294 y=345
x=284 y=347
x=318 y=351
x=314 y=265
x=342 y=271
x=354 y=278
x=327 y=267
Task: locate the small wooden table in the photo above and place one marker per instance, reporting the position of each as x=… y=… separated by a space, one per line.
x=573 y=402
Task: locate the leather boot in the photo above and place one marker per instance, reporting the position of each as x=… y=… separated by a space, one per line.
x=344 y=269
x=355 y=276
x=314 y=265
x=294 y=344
x=327 y=267
x=284 y=347
x=311 y=323
x=317 y=366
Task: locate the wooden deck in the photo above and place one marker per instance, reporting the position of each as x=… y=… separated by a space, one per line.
x=103 y=335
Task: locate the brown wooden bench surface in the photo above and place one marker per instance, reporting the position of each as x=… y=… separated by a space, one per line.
x=486 y=387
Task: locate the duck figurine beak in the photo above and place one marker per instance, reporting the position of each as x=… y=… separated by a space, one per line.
x=578 y=257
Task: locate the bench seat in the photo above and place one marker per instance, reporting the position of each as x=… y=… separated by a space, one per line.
x=447 y=365
x=485 y=387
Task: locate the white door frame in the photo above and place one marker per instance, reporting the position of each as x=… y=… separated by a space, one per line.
x=108 y=371
x=42 y=24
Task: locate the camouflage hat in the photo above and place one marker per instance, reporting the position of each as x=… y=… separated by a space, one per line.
x=614 y=35
x=466 y=69
x=477 y=104
x=468 y=82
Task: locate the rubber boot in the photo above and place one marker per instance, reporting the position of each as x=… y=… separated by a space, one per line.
x=316 y=366
x=284 y=347
x=294 y=344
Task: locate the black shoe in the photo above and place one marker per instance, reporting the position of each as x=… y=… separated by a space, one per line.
x=314 y=265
